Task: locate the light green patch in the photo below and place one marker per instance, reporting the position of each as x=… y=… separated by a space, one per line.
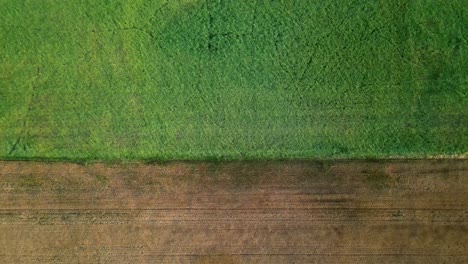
x=30 y=182
x=101 y=179
x=378 y=181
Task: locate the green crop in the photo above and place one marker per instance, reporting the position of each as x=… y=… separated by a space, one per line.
x=225 y=79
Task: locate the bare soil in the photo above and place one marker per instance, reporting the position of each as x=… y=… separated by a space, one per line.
x=413 y=211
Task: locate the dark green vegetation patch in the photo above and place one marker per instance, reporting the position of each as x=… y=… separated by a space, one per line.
x=244 y=79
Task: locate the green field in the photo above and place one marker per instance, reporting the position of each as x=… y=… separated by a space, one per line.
x=233 y=79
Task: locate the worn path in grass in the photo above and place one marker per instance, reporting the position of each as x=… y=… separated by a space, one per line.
x=265 y=212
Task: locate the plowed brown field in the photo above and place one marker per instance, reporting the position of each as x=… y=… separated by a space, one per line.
x=239 y=212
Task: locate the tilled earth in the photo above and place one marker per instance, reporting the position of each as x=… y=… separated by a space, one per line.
x=395 y=211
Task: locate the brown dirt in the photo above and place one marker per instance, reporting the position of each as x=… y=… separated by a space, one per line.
x=239 y=212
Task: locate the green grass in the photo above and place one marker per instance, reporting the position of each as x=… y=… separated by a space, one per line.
x=225 y=79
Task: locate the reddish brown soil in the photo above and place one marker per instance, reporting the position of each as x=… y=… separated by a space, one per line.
x=250 y=212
